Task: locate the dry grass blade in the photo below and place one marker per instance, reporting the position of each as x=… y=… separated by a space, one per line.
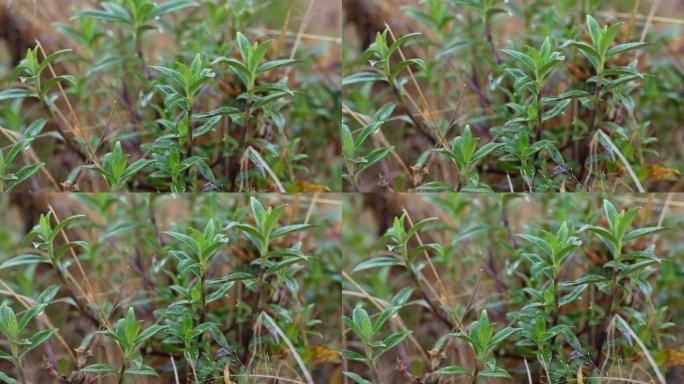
x=651 y=361
x=611 y=147
x=260 y=162
x=76 y=124
x=274 y=327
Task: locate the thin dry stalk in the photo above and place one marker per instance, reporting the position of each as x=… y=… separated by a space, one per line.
x=442 y=296
x=89 y=292
x=76 y=126
x=302 y=29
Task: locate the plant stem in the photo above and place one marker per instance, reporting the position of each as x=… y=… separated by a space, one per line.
x=612 y=303
x=540 y=126
x=376 y=377
x=353 y=179
x=243 y=138
x=203 y=298
x=476 y=374
x=540 y=112
x=556 y=304
x=139 y=50
x=122 y=373
x=190 y=133
x=20 y=368
x=593 y=121
x=371 y=364
x=260 y=298
x=490 y=40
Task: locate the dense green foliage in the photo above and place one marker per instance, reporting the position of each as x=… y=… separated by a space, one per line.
x=180 y=95
x=200 y=287
x=567 y=287
x=559 y=98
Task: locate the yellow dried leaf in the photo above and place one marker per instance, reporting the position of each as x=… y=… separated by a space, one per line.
x=657 y=172
x=319 y=355
x=673 y=357
x=580 y=376
x=305 y=186
x=226 y=374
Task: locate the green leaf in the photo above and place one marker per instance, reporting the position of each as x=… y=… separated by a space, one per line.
x=351 y=355
x=453 y=370
x=639 y=232
x=23 y=174
x=142 y=370
x=282 y=231
x=12 y=94
x=585 y=280
x=347 y=142
x=611 y=214
x=484 y=151
x=573 y=295
x=501 y=336
x=148 y=333
x=435 y=186
x=100 y=368
x=523 y=58
x=571 y=94
x=38 y=339
x=375 y=155
x=383 y=317
x=365 y=133
x=135 y=168
x=599 y=231
x=55 y=80
x=401 y=41
x=29 y=259
x=8 y=380
x=131 y=326
x=363 y=77
x=171 y=6
x=402 y=296
x=419 y=225
x=594 y=30
x=8 y=322
x=396 y=69
x=357 y=378
x=589 y=52
x=607 y=36
x=243 y=45
x=378 y=262
x=392 y=341
x=112 y=12
x=5 y=356
x=537 y=241
x=494 y=372
x=185 y=239
x=624 y=47
x=556 y=110
x=362 y=322
x=172 y=74
x=271 y=65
